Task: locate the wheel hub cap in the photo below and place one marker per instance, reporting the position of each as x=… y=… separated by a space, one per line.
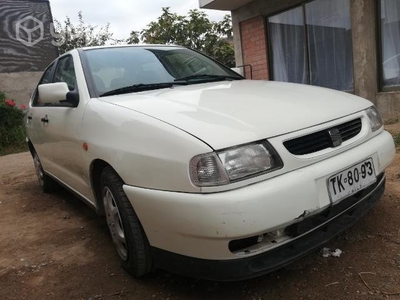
x=114 y=223
x=39 y=170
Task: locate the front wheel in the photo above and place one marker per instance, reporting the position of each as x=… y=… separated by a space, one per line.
x=126 y=231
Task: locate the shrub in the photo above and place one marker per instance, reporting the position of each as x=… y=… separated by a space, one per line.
x=12 y=130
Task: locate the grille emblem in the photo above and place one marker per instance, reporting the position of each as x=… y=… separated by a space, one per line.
x=336 y=137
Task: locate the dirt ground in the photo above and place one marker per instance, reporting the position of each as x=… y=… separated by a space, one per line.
x=55 y=247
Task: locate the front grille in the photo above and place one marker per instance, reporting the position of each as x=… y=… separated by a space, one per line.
x=350 y=129
x=323 y=139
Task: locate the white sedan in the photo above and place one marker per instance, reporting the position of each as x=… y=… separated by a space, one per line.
x=199 y=171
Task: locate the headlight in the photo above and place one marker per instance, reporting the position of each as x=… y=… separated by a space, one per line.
x=374 y=118
x=233 y=164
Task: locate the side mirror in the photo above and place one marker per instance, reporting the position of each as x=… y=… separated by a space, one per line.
x=58 y=94
x=238 y=70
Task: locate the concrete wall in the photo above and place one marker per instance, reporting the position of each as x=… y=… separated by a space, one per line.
x=19 y=86
x=237 y=40
x=363 y=15
x=264 y=8
x=388 y=104
x=365 y=47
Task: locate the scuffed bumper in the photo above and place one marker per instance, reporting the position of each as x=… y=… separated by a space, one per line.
x=245 y=268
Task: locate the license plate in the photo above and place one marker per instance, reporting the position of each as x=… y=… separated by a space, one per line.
x=352 y=180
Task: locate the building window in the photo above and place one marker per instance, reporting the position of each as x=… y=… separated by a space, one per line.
x=287 y=40
x=312 y=44
x=390 y=33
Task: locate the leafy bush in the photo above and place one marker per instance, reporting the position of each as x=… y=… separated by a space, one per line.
x=12 y=130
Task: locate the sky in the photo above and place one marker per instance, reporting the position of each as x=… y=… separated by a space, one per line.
x=123 y=15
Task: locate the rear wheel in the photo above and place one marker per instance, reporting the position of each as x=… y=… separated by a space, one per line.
x=47 y=184
x=126 y=231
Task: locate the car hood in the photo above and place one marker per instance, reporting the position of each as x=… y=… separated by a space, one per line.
x=229 y=113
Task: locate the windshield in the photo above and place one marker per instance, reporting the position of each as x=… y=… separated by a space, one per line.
x=115 y=68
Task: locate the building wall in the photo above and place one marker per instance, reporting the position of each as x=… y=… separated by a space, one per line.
x=21 y=65
x=254 y=47
x=365 y=47
x=19 y=85
x=388 y=104
x=365 y=57
x=15 y=56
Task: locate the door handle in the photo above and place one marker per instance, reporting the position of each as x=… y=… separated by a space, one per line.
x=44 y=120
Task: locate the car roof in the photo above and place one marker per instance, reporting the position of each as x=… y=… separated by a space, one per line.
x=137 y=45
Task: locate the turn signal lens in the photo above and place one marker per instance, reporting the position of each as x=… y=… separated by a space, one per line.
x=206 y=170
x=374 y=118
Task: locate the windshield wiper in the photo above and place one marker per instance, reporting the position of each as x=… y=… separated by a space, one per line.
x=209 y=77
x=142 y=87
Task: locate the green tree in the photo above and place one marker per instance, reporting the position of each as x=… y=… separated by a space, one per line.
x=68 y=36
x=134 y=38
x=194 y=31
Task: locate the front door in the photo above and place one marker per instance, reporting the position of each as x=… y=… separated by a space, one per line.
x=35 y=123
x=62 y=134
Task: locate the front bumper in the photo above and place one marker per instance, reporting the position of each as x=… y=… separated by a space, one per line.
x=232 y=270
x=202 y=225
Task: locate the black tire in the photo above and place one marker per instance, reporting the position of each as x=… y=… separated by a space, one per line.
x=47 y=183
x=134 y=251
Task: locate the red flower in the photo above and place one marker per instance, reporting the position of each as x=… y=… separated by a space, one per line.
x=23 y=106
x=9 y=102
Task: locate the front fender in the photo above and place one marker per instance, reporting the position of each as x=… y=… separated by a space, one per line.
x=144 y=151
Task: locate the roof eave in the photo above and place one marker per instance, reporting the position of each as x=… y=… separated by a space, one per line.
x=223 y=4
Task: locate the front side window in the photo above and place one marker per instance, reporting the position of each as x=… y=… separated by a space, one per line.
x=312 y=44
x=390 y=33
x=65 y=72
x=46 y=78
